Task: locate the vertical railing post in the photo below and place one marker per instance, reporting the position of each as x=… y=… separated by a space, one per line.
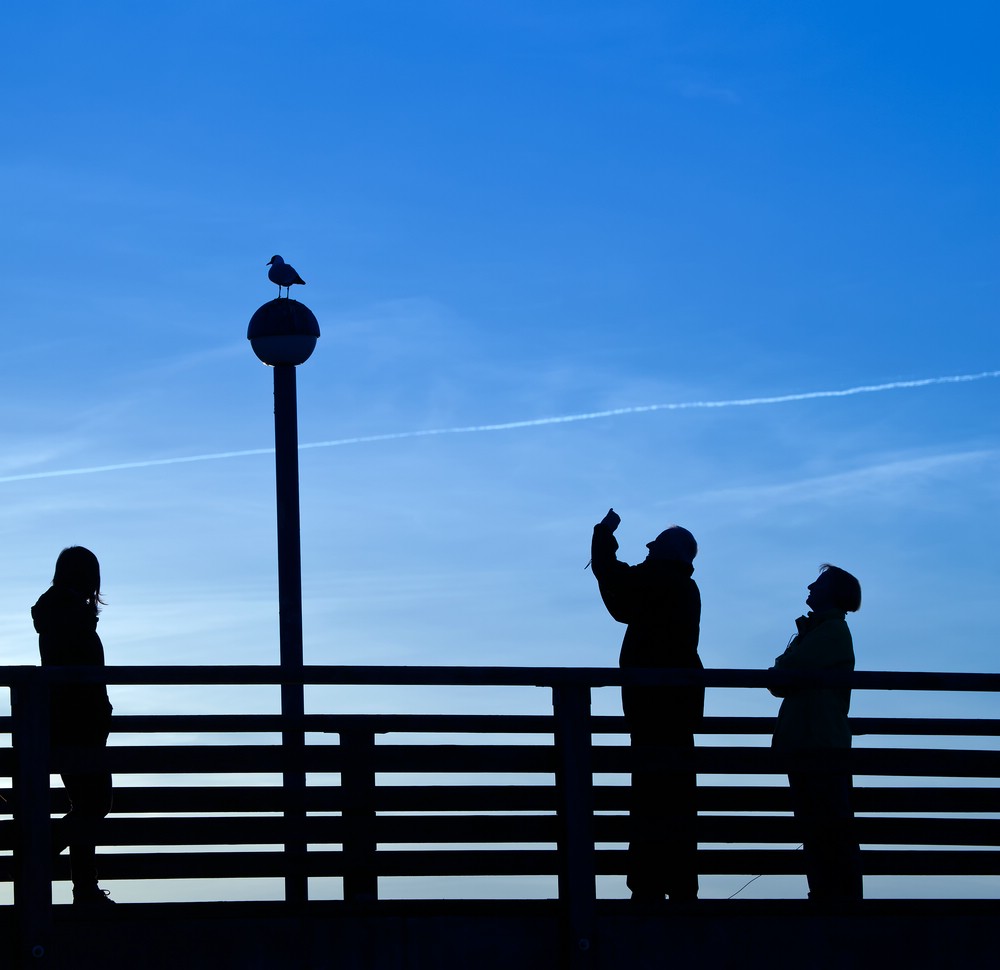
x=575 y=799
x=33 y=839
x=357 y=785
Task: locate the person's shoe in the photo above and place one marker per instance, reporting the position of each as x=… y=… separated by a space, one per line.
x=92 y=896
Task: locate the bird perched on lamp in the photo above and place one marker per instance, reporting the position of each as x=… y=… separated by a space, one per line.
x=283 y=275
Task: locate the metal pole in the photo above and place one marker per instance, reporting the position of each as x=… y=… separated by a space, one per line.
x=286 y=464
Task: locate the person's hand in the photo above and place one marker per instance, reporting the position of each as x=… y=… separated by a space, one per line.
x=612 y=520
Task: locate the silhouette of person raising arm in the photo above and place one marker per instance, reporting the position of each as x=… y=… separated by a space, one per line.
x=661 y=604
x=65 y=618
x=812 y=722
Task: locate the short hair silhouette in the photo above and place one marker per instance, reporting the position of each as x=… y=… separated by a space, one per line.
x=77 y=567
x=845 y=588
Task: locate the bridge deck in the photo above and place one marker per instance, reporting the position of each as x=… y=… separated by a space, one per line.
x=524 y=935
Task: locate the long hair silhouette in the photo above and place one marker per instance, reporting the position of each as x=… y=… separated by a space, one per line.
x=77 y=568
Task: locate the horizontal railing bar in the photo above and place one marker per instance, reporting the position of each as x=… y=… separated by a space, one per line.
x=528 y=758
x=512 y=724
x=926 y=726
x=514 y=798
x=877 y=862
x=917 y=762
x=501 y=677
x=510 y=862
x=335 y=723
x=710 y=862
x=489 y=830
x=184 y=759
x=480 y=759
x=196 y=723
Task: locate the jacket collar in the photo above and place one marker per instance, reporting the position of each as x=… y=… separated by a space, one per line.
x=670 y=566
x=812 y=620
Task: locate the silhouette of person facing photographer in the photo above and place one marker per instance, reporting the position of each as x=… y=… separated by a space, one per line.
x=812 y=722
x=65 y=618
x=661 y=605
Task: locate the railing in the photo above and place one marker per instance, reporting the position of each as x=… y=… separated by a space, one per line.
x=576 y=828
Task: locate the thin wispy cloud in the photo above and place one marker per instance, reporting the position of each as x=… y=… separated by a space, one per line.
x=882 y=481
x=527 y=423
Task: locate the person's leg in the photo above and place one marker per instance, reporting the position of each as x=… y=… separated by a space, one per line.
x=685 y=708
x=62 y=827
x=646 y=848
x=664 y=812
x=679 y=820
x=838 y=855
x=823 y=810
x=90 y=800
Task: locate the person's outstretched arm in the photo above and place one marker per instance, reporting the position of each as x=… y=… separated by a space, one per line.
x=612 y=575
x=604 y=545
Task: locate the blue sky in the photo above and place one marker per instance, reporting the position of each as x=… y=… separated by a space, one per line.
x=504 y=213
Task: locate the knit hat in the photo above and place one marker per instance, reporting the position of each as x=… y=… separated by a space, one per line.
x=674 y=543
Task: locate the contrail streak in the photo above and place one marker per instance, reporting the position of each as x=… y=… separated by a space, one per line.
x=742 y=402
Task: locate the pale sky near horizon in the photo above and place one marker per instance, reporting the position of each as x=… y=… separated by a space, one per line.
x=505 y=213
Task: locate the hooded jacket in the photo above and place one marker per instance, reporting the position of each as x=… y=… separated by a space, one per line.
x=67 y=637
x=661 y=604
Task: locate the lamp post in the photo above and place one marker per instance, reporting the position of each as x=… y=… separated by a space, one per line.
x=283 y=334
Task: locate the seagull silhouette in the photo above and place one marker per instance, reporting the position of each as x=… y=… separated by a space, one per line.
x=283 y=274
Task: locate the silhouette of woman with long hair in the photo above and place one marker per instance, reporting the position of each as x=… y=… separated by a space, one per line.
x=65 y=617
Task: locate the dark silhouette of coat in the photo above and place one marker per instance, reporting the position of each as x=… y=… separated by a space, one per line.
x=812 y=721
x=815 y=717
x=80 y=716
x=67 y=637
x=661 y=605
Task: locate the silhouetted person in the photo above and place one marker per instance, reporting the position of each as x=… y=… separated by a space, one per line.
x=65 y=617
x=661 y=604
x=812 y=722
